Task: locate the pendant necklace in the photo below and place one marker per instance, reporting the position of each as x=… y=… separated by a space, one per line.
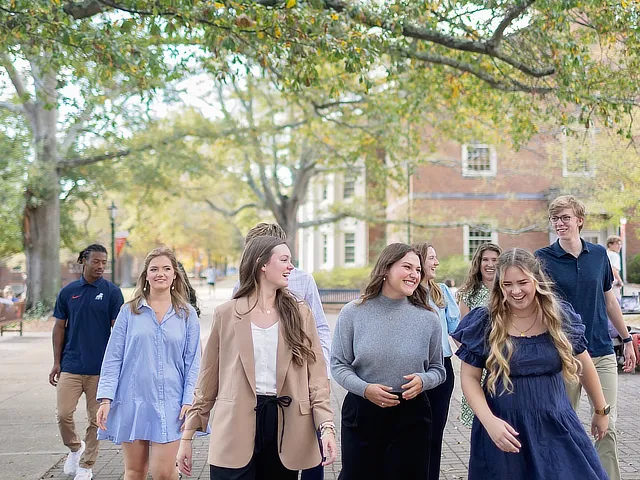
x=523 y=332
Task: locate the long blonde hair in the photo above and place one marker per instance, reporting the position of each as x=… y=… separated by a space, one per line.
x=179 y=290
x=500 y=343
x=435 y=292
x=257 y=253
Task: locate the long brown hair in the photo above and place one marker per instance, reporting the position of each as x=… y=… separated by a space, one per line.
x=499 y=341
x=435 y=292
x=473 y=282
x=179 y=290
x=257 y=253
x=391 y=254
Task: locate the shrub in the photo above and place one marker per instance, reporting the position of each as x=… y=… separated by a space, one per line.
x=633 y=270
x=343 y=277
x=453 y=266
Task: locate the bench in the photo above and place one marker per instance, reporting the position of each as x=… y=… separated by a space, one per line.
x=334 y=296
x=11 y=317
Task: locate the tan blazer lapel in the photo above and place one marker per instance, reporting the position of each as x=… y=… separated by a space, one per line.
x=244 y=341
x=283 y=360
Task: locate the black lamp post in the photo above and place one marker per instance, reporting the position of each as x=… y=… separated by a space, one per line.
x=113 y=213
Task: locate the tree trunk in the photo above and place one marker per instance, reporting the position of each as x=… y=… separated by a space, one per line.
x=41 y=227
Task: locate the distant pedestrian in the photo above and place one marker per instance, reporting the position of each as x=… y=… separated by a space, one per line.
x=441 y=300
x=614 y=245
x=150 y=369
x=84 y=312
x=304 y=287
x=531 y=343
x=263 y=379
x=210 y=274
x=473 y=293
x=387 y=351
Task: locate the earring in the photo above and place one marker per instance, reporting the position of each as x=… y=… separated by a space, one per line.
x=384 y=279
x=173 y=287
x=144 y=289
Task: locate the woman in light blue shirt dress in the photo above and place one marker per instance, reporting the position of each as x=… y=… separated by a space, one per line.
x=442 y=301
x=150 y=369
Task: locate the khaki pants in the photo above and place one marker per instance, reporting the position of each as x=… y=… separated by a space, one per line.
x=69 y=390
x=607 y=448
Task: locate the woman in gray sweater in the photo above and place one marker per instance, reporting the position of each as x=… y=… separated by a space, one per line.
x=387 y=351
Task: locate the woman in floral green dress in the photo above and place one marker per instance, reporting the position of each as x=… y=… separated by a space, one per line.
x=473 y=293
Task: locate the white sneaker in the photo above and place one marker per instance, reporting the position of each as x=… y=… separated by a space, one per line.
x=72 y=462
x=84 y=474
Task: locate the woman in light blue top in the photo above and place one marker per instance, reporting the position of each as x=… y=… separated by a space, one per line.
x=150 y=369
x=443 y=301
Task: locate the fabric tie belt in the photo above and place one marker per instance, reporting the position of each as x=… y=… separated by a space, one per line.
x=261 y=410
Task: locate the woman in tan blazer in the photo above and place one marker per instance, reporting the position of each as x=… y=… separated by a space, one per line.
x=264 y=376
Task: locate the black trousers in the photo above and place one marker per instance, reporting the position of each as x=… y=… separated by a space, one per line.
x=265 y=463
x=440 y=399
x=385 y=443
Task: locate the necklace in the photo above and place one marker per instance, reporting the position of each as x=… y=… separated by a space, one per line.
x=267 y=310
x=523 y=332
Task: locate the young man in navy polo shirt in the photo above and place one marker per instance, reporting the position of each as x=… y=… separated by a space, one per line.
x=84 y=313
x=582 y=275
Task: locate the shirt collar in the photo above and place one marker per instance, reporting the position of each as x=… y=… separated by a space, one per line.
x=558 y=251
x=144 y=303
x=97 y=283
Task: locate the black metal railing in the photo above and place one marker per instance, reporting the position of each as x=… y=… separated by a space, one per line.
x=338 y=295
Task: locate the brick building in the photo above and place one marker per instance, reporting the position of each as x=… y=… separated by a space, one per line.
x=469 y=194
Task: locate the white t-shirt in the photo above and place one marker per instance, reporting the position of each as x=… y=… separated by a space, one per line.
x=614 y=259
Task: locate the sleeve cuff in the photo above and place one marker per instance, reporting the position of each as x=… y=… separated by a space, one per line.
x=469 y=357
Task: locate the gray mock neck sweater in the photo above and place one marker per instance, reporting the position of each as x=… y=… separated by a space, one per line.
x=381 y=340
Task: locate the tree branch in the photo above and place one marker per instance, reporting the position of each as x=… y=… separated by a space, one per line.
x=74 y=130
x=86 y=9
x=12 y=107
x=512 y=86
x=513 y=13
x=14 y=76
x=323 y=221
x=229 y=213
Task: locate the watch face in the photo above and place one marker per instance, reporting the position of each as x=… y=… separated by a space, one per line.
x=607 y=409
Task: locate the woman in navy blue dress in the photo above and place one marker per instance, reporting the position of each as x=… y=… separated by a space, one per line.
x=530 y=343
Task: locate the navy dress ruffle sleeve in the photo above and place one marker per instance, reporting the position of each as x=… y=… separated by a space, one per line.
x=554 y=442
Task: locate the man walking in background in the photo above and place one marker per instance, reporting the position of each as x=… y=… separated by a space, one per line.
x=84 y=313
x=304 y=287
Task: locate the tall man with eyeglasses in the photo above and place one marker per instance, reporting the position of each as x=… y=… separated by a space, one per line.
x=582 y=275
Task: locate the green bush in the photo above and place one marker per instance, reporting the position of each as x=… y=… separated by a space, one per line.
x=342 y=277
x=633 y=270
x=453 y=266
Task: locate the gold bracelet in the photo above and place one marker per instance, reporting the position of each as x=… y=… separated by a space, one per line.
x=186 y=439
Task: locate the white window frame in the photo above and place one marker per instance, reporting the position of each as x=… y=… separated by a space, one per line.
x=352 y=180
x=466 y=230
x=591 y=168
x=493 y=161
x=350 y=245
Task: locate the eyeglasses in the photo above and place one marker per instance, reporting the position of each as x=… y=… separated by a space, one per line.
x=564 y=219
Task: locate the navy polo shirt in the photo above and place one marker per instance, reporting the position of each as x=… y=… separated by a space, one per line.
x=89 y=309
x=582 y=282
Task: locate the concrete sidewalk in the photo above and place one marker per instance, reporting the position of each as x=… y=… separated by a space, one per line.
x=32 y=448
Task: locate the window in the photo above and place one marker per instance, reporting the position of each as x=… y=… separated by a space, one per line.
x=325 y=248
x=349 y=248
x=478 y=160
x=578 y=154
x=476 y=235
x=325 y=190
x=349 y=188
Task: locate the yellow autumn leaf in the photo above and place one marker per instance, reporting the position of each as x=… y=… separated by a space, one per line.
x=277 y=32
x=291 y=3
x=260 y=35
x=218 y=5
x=334 y=16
